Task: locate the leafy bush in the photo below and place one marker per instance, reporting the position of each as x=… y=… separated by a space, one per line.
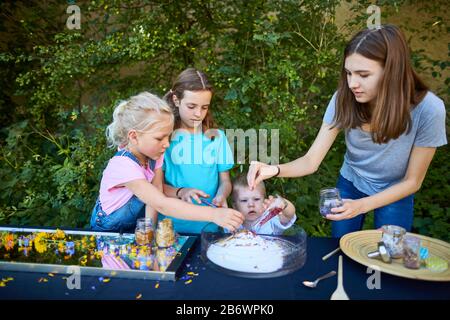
x=274 y=64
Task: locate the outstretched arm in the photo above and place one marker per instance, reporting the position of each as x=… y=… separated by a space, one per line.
x=150 y=195
x=300 y=167
x=419 y=162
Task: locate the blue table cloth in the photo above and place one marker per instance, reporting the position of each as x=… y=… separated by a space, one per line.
x=211 y=284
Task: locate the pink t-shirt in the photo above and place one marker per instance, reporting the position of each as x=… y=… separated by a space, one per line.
x=120 y=170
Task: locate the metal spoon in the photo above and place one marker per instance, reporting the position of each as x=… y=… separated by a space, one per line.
x=313 y=284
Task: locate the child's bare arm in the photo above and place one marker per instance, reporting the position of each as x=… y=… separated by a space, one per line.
x=224 y=190
x=150 y=195
x=185 y=194
x=158 y=179
x=287 y=214
x=151 y=213
x=170 y=191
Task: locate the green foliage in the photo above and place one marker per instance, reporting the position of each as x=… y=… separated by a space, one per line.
x=274 y=65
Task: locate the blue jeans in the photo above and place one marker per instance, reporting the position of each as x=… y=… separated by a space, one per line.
x=399 y=213
x=122 y=220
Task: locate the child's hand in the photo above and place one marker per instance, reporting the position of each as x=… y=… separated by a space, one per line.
x=220 y=201
x=187 y=194
x=228 y=218
x=268 y=202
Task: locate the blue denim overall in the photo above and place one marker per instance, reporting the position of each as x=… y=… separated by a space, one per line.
x=123 y=219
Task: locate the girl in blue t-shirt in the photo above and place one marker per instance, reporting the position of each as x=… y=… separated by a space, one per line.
x=392 y=125
x=197 y=163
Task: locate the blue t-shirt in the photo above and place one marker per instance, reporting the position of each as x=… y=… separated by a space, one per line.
x=373 y=167
x=195 y=161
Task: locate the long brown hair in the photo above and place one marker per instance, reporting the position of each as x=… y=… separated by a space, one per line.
x=193 y=80
x=399 y=89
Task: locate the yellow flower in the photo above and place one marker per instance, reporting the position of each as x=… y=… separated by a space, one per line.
x=99 y=254
x=59 y=234
x=9 y=241
x=61 y=246
x=39 y=242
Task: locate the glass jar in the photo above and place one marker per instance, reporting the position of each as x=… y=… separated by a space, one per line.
x=165 y=235
x=144 y=231
x=411 y=252
x=329 y=198
x=393 y=239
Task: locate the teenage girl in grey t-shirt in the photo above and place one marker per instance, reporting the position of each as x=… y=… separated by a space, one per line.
x=392 y=126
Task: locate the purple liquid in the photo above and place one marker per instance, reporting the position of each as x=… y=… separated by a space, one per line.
x=326 y=209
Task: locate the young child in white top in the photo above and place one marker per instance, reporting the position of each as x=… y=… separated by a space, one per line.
x=253 y=203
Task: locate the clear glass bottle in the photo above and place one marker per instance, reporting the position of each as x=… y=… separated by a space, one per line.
x=329 y=198
x=144 y=231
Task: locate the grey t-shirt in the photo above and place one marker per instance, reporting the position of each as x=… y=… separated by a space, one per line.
x=374 y=167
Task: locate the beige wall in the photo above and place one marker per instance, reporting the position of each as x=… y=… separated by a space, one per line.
x=413 y=16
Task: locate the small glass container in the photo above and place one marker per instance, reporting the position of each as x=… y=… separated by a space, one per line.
x=393 y=239
x=144 y=231
x=165 y=235
x=329 y=198
x=277 y=206
x=411 y=252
